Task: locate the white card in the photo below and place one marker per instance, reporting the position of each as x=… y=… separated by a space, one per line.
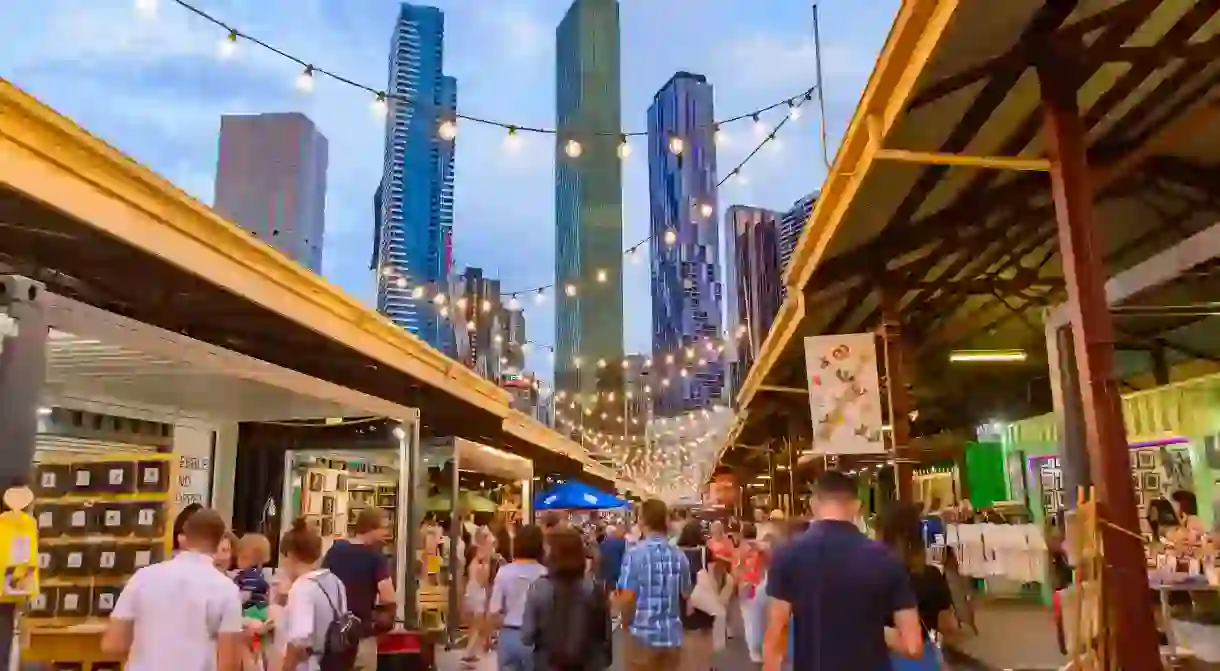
x=143 y=558
x=116 y=476
x=114 y=518
x=44 y=560
x=82 y=478
x=106 y=559
x=105 y=601
x=147 y=517
x=78 y=518
x=48 y=479
x=45 y=520
x=151 y=475
x=71 y=601
x=75 y=559
x=39 y=602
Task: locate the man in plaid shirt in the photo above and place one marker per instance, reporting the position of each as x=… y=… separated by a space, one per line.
x=655 y=578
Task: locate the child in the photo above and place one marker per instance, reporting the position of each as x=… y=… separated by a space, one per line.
x=253 y=552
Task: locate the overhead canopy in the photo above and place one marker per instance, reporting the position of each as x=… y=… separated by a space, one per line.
x=573 y=495
x=969 y=256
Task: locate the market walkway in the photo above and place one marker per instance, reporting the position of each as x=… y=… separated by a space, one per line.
x=1013 y=636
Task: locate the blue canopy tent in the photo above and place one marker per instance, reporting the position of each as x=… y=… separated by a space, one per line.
x=572 y=495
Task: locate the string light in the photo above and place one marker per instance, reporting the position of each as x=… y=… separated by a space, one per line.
x=601 y=275
x=569 y=290
x=706 y=209
x=676 y=145
x=573 y=149
x=760 y=127
x=380 y=107
x=447 y=130
x=228 y=46
x=148 y=8
x=305 y=80
x=624 y=147
x=513 y=139
x=794 y=110
x=719 y=136
x=670 y=236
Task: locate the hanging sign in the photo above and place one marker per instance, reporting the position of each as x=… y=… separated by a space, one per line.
x=844 y=394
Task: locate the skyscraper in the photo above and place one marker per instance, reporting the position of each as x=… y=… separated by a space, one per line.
x=791 y=225
x=415 y=199
x=754 y=284
x=686 y=289
x=271 y=181
x=588 y=194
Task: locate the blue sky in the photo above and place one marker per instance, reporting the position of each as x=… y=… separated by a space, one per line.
x=156 y=90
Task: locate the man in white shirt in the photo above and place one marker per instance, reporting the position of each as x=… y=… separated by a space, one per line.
x=181 y=613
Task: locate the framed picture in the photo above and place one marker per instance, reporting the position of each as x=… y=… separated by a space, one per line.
x=1059 y=481
x=316 y=480
x=1140 y=501
x=1145 y=459
x=1152 y=482
x=341 y=483
x=328 y=527
x=328 y=505
x=1059 y=500
x=1048 y=500
x=1048 y=480
x=1137 y=480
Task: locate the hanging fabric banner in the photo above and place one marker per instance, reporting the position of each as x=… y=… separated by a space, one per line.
x=844 y=394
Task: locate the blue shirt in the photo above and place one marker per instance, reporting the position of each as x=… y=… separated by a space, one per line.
x=253 y=586
x=659 y=575
x=843 y=588
x=612 y=551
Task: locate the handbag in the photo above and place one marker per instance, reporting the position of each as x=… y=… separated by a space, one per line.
x=931 y=660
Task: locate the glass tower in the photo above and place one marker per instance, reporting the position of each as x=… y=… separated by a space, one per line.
x=414 y=203
x=588 y=195
x=686 y=289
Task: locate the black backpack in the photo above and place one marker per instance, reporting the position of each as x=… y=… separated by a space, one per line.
x=574 y=624
x=342 y=639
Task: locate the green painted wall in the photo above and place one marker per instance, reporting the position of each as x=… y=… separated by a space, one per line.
x=985 y=477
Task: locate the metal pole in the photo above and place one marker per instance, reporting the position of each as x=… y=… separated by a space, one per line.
x=455 y=532
x=23 y=370
x=409 y=517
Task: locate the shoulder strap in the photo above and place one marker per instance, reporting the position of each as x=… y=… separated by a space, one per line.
x=330 y=602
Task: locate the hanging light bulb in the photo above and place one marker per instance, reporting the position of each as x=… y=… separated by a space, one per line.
x=601 y=275
x=774 y=142
x=485 y=306
x=513 y=303
x=706 y=209
x=460 y=303
x=676 y=145
x=228 y=46
x=439 y=299
x=400 y=282
x=601 y=363
x=417 y=292
x=719 y=136
x=624 y=147
x=576 y=362
x=447 y=130
x=794 y=110
x=380 y=107
x=305 y=80
x=497 y=338
x=573 y=149
x=146 y=8
x=670 y=237
x=570 y=290
x=540 y=296
x=740 y=177
x=469 y=324
x=444 y=311
x=512 y=141
x=759 y=126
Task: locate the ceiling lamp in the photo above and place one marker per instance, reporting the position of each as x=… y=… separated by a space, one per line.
x=987 y=355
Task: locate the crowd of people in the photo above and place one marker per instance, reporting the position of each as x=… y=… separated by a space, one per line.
x=803 y=594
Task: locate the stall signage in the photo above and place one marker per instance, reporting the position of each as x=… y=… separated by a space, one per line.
x=844 y=394
x=193 y=448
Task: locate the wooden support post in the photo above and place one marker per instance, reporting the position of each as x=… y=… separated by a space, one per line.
x=899 y=397
x=1127 y=604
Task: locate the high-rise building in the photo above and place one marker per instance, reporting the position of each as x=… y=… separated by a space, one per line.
x=686 y=289
x=271 y=181
x=791 y=225
x=415 y=204
x=588 y=195
x=754 y=285
x=477 y=317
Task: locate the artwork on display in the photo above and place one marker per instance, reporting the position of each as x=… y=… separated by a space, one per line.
x=1175 y=469
x=723 y=489
x=1016 y=475
x=1152 y=482
x=844 y=394
x=1145 y=459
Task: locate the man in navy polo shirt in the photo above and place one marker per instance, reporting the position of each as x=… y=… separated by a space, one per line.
x=834 y=591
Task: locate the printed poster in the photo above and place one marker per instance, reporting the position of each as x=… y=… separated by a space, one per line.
x=844 y=394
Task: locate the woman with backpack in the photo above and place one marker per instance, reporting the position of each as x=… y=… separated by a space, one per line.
x=319 y=632
x=567 y=616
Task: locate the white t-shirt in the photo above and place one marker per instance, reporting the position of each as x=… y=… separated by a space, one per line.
x=313 y=603
x=177 y=608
